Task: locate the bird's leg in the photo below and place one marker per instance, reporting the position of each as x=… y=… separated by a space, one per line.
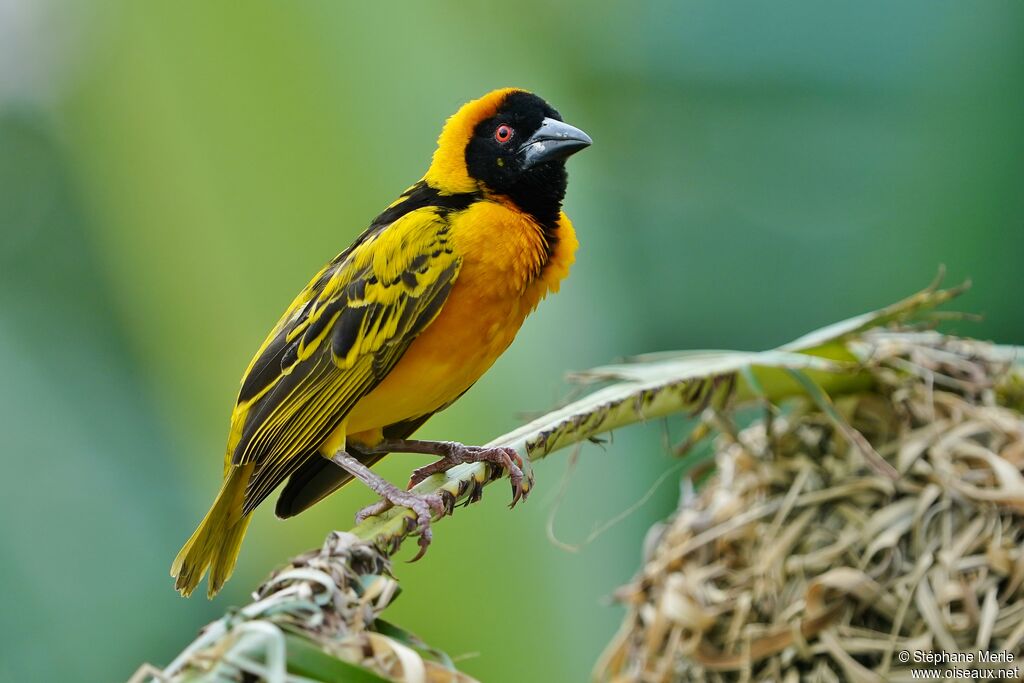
x=426 y=506
x=453 y=453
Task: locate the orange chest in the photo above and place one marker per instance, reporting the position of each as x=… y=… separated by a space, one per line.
x=506 y=270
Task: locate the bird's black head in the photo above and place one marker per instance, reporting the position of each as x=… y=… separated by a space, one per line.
x=520 y=150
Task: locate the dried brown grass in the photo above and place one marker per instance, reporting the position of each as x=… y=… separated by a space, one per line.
x=798 y=561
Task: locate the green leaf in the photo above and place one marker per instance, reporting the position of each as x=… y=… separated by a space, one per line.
x=408 y=638
x=309 y=661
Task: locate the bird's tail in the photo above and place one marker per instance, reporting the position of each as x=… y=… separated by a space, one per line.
x=217 y=540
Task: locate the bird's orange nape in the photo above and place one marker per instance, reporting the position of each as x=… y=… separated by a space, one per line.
x=448 y=164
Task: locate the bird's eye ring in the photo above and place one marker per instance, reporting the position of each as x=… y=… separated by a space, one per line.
x=503 y=133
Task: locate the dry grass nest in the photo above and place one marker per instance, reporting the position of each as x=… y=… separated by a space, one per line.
x=798 y=561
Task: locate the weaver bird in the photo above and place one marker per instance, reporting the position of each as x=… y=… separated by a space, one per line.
x=397 y=327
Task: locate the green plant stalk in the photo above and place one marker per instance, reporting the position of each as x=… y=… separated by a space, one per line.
x=663 y=384
x=602 y=412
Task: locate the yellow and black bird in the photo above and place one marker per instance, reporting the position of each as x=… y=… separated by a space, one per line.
x=398 y=326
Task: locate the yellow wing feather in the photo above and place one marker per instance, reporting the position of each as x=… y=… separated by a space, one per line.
x=336 y=341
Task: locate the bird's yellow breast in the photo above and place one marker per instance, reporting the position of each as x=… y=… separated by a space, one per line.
x=506 y=271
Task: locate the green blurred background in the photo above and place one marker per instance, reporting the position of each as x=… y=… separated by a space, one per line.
x=172 y=173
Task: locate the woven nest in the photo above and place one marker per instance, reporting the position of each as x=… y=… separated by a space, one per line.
x=799 y=561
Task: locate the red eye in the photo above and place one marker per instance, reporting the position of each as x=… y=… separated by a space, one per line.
x=503 y=133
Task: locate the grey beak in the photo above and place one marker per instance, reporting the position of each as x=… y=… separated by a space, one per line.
x=554 y=140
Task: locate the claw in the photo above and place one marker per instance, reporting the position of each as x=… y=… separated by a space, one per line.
x=374 y=509
x=522 y=483
x=426 y=536
x=422 y=473
x=434 y=503
x=506 y=458
x=425 y=506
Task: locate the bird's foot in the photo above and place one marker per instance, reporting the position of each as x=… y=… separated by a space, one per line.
x=454 y=453
x=425 y=506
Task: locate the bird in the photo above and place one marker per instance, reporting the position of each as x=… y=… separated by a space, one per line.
x=397 y=327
